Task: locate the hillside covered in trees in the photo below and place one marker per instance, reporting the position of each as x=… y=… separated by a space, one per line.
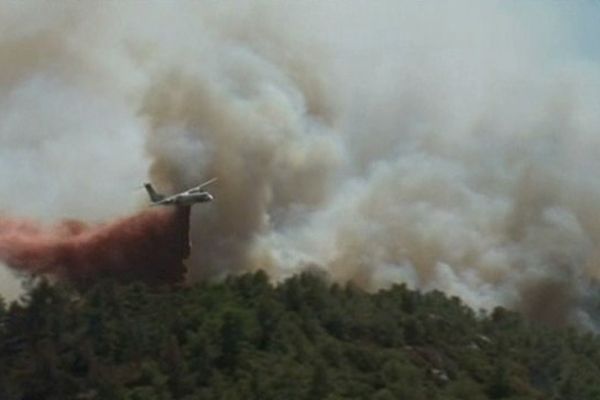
x=303 y=339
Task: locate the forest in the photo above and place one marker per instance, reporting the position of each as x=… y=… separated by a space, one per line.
x=304 y=338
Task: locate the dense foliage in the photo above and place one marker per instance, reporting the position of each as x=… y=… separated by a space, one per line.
x=303 y=339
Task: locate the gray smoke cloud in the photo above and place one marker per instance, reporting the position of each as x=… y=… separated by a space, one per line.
x=449 y=146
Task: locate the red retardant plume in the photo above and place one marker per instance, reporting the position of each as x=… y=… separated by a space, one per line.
x=149 y=246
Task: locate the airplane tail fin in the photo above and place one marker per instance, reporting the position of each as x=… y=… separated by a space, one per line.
x=152 y=193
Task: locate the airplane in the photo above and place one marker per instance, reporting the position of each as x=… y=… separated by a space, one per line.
x=186 y=198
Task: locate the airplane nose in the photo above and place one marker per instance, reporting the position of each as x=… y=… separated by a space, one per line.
x=210 y=197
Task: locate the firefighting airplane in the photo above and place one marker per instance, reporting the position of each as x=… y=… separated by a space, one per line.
x=186 y=198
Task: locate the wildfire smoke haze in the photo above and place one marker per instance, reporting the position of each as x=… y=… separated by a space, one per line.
x=448 y=145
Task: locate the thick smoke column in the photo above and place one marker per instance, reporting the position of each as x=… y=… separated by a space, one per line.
x=449 y=146
x=149 y=246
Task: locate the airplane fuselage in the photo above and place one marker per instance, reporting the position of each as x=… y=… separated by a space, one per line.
x=185 y=199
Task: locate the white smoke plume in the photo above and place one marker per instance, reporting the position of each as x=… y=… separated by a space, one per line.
x=450 y=146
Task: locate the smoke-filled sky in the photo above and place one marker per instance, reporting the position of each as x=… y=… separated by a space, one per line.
x=449 y=145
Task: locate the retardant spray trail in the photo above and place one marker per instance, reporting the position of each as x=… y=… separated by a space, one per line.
x=149 y=246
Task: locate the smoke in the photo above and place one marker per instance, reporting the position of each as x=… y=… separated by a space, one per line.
x=149 y=246
x=448 y=146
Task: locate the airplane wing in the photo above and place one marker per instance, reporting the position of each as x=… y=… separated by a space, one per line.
x=200 y=186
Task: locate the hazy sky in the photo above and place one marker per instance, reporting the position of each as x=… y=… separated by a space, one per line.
x=446 y=144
